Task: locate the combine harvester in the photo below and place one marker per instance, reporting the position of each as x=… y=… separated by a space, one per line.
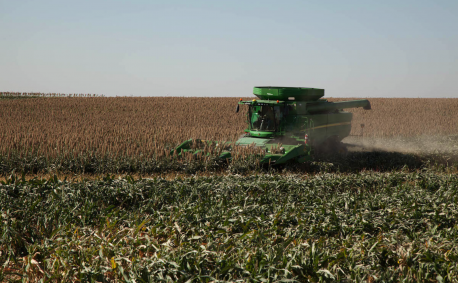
x=288 y=123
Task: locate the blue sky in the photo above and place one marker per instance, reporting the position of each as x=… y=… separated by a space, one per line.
x=224 y=48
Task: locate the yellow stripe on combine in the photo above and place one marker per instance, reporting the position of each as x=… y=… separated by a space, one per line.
x=330 y=125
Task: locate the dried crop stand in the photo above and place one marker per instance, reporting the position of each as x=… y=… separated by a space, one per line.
x=288 y=122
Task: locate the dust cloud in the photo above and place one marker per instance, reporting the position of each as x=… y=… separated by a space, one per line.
x=418 y=145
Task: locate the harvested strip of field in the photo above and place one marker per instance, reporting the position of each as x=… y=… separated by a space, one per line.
x=358 y=227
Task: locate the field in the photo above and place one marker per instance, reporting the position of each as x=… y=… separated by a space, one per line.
x=132 y=135
x=352 y=228
x=89 y=194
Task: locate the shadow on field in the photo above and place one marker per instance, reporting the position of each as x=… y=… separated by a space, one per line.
x=375 y=160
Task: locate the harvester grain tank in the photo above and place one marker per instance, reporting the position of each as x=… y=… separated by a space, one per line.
x=297 y=118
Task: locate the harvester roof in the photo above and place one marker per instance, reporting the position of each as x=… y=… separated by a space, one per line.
x=288 y=93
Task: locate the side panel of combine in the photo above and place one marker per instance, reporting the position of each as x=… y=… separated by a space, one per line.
x=315 y=126
x=321 y=127
x=339 y=125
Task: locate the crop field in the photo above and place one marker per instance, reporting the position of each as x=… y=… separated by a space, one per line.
x=127 y=135
x=89 y=192
x=406 y=117
x=369 y=227
x=20 y=95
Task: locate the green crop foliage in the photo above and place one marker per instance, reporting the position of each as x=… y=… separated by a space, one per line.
x=371 y=226
x=95 y=163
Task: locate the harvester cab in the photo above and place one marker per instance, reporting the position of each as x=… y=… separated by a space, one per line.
x=265 y=117
x=288 y=122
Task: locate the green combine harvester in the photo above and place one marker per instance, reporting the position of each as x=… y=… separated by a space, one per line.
x=289 y=123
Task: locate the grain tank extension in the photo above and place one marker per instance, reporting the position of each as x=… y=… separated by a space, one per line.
x=297 y=118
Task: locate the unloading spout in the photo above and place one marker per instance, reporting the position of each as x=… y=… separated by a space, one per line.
x=330 y=106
